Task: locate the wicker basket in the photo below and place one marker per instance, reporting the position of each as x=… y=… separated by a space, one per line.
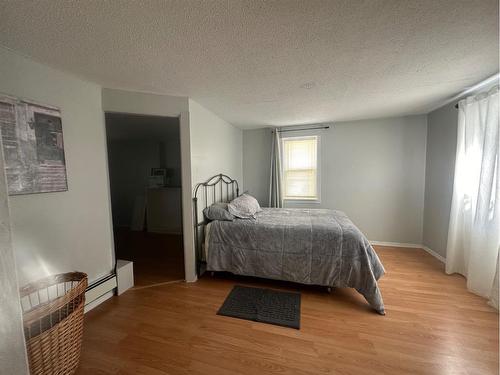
x=53 y=322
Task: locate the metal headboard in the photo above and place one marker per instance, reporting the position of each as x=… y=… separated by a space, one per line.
x=218 y=188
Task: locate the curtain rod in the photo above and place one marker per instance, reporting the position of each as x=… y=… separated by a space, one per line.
x=456 y=105
x=303 y=129
x=472 y=89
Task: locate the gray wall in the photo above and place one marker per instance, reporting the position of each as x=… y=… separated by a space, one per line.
x=439 y=174
x=130 y=163
x=65 y=231
x=373 y=170
x=257 y=163
x=170 y=158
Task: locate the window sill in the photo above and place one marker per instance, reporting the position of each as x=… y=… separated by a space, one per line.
x=302 y=201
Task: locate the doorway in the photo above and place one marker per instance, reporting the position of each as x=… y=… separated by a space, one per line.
x=144 y=160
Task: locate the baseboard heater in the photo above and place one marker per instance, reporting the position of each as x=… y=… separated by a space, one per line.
x=98 y=289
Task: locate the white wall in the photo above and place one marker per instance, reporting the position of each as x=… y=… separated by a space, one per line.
x=373 y=170
x=122 y=101
x=65 y=231
x=216 y=145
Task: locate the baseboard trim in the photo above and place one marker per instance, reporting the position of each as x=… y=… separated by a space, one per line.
x=99 y=291
x=434 y=254
x=396 y=244
x=411 y=246
x=89 y=306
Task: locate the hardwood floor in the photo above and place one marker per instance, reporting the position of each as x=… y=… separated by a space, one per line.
x=433 y=326
x=157 y=257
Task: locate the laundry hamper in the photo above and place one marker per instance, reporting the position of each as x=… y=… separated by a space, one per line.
x=53 y=322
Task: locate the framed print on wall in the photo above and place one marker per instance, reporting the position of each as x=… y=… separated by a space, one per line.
x=33 y=147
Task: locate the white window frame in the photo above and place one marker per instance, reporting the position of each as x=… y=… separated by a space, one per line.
x=301 y=135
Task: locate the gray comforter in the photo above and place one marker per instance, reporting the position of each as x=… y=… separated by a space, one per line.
x=308 y=246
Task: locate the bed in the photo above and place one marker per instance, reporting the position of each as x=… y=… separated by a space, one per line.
x=307 y=246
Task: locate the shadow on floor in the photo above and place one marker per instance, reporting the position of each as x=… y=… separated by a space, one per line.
x=157 y=257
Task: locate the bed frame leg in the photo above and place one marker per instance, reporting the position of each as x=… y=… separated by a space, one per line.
x=330 y=289
x=212 y=273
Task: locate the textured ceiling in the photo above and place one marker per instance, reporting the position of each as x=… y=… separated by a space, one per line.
x=258 y=63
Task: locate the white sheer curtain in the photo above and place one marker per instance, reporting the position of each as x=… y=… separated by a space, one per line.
x=474 y=231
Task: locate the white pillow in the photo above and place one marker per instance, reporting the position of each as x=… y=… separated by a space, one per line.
x=245 y=207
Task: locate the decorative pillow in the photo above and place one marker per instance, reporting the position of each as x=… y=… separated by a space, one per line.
x=218 y=211
x=245 y=207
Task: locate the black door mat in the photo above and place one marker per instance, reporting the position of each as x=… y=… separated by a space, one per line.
x=263 y=305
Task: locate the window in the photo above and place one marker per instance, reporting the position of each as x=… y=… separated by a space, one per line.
x=300 y=168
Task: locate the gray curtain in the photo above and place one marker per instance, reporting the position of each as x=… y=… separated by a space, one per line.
x=275 y=195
